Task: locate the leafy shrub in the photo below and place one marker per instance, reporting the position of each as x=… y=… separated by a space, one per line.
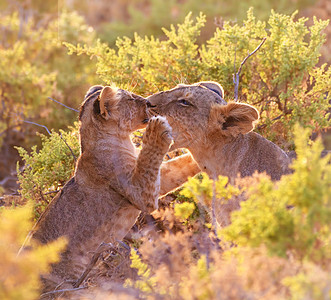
x=281 y=79
x=146 y=282
x=277 y=244
x=304 y=230
x=48 y=169
x=19 y=277
x=149 y=17
x=34 y=65
x=279 y=240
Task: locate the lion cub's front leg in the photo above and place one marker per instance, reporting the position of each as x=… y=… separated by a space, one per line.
x=146 y=174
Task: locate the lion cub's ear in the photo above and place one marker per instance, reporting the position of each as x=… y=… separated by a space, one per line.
x=106 y=104
x=234 y=118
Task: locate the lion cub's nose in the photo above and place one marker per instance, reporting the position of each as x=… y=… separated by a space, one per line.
x=149 y=105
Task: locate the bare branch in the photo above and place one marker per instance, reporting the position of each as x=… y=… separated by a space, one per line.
x=43 y=198
x=62 y=291
x=102 y=248
x=257 y=48
x=62 y=138
x=236 y=75
x=51 y=192
x=72 y=153
x=29 y=122
x=76 y=110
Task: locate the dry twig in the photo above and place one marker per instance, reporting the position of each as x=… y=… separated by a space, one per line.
x=72 y=153
x=102 y=248
x=236 y=75
x=62 y=291
x=62 y=138
x=76 y=110
x=52 y=192
x=43 y=126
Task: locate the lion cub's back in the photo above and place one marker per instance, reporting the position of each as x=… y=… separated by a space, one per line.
x=264 y=156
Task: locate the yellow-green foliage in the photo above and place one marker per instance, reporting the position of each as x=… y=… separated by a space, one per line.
x=311 y=282
x=201 y=189
x=201 y=275
x=281 y=236
x=148 y=18
x=292 y=215
x=49 y=168
x=275 y=79
x=146 y=283
x=184 y=210
x=34 y=65
x=19 y=276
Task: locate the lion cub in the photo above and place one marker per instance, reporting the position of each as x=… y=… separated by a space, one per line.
x=111 y=185
x=218 y=134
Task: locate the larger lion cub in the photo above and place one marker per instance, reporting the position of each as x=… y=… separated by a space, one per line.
x=218 y=134
x=111 y=185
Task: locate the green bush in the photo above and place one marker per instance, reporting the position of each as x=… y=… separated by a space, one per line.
x=281 y=79
x=34 y=66
x=277 y=246
x=48 y=169
x=149 y=17
x=302 y=230
x=19 y=277
x=278 y=243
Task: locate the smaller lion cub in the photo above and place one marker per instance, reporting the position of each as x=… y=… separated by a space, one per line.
x=111 y=184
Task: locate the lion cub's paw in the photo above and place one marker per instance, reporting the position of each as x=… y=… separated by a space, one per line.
x=158 y=132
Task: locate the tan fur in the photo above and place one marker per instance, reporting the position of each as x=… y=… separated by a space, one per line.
x=110 y=185
x=218 y=134
x=175 y=172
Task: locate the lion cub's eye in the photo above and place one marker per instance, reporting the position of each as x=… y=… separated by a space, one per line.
x=184 y=102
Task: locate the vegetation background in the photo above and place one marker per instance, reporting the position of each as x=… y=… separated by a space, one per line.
x=58 y=49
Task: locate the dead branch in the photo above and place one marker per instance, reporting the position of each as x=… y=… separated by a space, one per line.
x=102 y=248
x=62 y=291
x=43 y=198
x=76 y=110
x=33 y=123
x=236 y=75
x=51 y=192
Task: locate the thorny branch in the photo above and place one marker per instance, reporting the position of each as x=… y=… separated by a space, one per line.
x=236 y=75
